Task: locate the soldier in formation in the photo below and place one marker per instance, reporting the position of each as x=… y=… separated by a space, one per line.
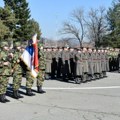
x=113 y=60
x=83 y=64
x=5 y=70
x=48 y=59
x=42 y=65
x=17 y=70
x=119 y=61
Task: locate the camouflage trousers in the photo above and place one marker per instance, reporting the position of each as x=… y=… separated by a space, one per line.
x=17 y=79
x=29 y=79
x=3 y=84
x=40 y=77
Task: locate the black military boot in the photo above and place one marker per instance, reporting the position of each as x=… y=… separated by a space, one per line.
x=15 y=94
x=18 y=94
x=3 y=98
x=40 y=90
x=6 y=100
x=29 y=92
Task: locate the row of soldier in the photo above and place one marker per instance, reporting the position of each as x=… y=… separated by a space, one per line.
x=114 y=60
x=78 y=64
x=12 y=65
x=64 y=63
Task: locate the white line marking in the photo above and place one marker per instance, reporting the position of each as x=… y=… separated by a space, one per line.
x=78 y=88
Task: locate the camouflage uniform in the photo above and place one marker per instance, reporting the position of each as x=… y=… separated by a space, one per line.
x=4 y=71
x=42 y=65
x=17 y=71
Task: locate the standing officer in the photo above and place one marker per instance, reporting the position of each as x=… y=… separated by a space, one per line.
x=119 y=61
x=59 y=61
x=54 y=63
x=79 y=66
x=66 y=64
x=41 y=73
x=103 y=63
x=90 y=64
x=110 y=59
x=17 y=70
x=85 y=64
x=107 y=60
x=72 y=62
x=99 y=69
x=48 y=58
x=5 y=70
x=95 y=63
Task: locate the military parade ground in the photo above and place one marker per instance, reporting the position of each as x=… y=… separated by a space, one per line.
x=96 y=100
x=59 y=60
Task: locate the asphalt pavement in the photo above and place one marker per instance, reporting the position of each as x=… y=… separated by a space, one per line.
x=95 y=100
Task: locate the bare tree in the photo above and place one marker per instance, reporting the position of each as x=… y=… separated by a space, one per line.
x=96 y=24
x=66 y=41
x=50 y=43
x=75 y=27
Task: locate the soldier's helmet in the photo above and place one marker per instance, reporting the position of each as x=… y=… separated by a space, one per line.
x=17 y=44
x=4 y=44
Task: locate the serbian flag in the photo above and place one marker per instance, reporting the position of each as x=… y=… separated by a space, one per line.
x=30 y=56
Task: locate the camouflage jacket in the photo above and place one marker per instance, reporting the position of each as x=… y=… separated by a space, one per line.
x=16 y=65
x=41 y=56
x=4 y=57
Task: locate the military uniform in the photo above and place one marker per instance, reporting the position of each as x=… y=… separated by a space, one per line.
x=17 y=70
x=42 y=65
x=5 y=71
x=66 y=65
x=107 y=62
x=99 y=69
x=79 y=64
x=48 y=58
x=85 y=66
x=95 y=64
x=119 y=61
x=59 y=61
x=72 y=64
x=110 y=60
x=103 y=64
x=90 y=66
x=53 y=64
